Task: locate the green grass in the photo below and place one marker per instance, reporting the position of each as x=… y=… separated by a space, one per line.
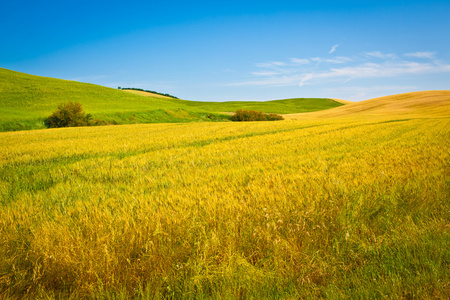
x=26 y=100
x=285 y=106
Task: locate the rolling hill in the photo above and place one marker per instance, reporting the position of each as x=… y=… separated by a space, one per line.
x=344 y=203
x=26 y=100
x=425 y=104
x=146 y=93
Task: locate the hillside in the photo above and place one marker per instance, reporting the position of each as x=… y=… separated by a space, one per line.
x=283 y=106
x=146 y=94
x=343 y=101
x=25 y=100
x=425 y=104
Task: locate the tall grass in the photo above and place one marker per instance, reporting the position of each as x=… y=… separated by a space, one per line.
x=313 y=209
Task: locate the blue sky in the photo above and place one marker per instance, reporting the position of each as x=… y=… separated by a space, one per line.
x=234 y=50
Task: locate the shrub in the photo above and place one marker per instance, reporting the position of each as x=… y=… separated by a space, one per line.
x=252 y=115
x=274 y=117
x=68 y=115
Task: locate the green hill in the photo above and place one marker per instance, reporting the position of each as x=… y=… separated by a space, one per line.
x=26 y=100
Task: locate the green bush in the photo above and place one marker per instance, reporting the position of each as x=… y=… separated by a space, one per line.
x=274 y=117
x=68 y=115
x=252 y=115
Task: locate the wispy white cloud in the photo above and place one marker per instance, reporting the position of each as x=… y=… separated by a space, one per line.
x=271 y=64
x=300 y=61
x=333 y=48
x=386 y=69
x=378 y=54
x=266 y=73
x=424 y=54
x=357 y=93
x=335 y=60
x=299 y=71
x=279 y=65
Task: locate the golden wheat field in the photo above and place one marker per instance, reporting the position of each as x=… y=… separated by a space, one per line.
x=424 y=104
x=289 y=209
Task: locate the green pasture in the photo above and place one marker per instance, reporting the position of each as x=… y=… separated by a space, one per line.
x=26 y=100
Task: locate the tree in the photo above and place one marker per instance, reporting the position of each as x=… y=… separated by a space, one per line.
x=68 y=115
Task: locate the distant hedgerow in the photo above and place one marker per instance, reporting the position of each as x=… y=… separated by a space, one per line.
x=252 y=115
x=69 y=114
x=149 y=91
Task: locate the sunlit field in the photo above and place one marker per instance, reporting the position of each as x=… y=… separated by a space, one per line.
x=291 y=209
x=26 y=100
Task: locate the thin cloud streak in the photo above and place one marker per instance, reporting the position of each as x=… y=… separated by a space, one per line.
x=372 y=70
x=357 y=93
x=300 y=61
x=299 y=72
x=378 y=54
x=271 y=64
x=336 y=60
x=266 y=73
x=333 y=48
x=424 y=54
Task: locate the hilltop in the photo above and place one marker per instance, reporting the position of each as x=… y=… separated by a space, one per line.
x=147 y=93
x=425 y=104
x=25 y=100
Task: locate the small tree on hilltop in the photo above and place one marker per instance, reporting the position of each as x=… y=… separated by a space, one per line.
x=68 y=115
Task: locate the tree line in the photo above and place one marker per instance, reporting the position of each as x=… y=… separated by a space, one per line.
x=148 y=91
